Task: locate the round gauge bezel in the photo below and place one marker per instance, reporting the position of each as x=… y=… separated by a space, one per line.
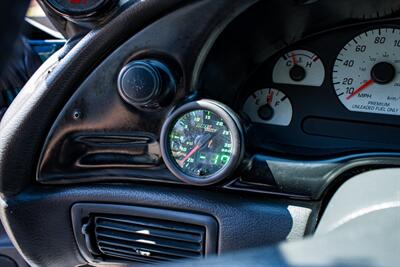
x=232 y=122
x=79 y=14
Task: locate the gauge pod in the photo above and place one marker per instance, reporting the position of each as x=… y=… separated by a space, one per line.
x=79 y=8
x=202 y=142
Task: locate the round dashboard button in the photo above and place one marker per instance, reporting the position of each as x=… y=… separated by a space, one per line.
x=139 y=82
x=146 y=84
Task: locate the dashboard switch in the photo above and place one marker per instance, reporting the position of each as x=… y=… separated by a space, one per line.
x=146 y=83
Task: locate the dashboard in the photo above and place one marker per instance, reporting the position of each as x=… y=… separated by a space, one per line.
x=331 y=93
x=285 y=105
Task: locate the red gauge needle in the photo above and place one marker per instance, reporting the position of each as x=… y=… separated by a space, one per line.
x=270 y=97
x=361 y=88
x=294 y=59
x=188 y=155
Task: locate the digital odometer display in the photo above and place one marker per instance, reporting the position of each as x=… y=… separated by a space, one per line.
x=200 y=143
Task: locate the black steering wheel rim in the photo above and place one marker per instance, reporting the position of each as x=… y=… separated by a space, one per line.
x=12 y=14
x=28 y=120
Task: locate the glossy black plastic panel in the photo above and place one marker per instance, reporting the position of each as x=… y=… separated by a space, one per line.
x=97 y=108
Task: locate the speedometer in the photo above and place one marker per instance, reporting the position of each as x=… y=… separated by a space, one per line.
x=202 y=142
x=366 y=75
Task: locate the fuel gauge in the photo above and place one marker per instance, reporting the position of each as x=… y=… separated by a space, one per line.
x=299 y=67
x=269 y=106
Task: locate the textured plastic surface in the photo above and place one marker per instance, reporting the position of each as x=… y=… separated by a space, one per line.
x=39 y=220
x=84 y=210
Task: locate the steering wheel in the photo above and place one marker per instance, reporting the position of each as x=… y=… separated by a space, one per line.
x=11 y=19
x=75 y=86
x=28 y=120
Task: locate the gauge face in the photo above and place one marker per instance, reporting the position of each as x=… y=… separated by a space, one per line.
x=76 y=7
x=299 y=67
x=269 y=106
x=202 y=142
x=366 y=72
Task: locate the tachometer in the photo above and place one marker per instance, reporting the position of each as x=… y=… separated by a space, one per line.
x=202 y=142
x=366 y=72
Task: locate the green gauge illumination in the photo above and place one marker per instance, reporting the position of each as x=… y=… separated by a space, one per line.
x=202 y=142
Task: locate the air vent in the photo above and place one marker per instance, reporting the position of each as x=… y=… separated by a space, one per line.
x=113 y=233
x=148 y=240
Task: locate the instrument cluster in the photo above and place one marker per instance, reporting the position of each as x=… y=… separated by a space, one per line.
x=333 y=92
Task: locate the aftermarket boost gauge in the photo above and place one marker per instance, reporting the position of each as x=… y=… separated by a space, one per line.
x=202 y=142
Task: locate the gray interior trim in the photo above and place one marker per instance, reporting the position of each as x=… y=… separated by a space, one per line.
x=351 y=233
x=366 y=193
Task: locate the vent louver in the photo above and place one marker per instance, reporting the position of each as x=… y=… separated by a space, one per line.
x=108 y=233
x=147 y=240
